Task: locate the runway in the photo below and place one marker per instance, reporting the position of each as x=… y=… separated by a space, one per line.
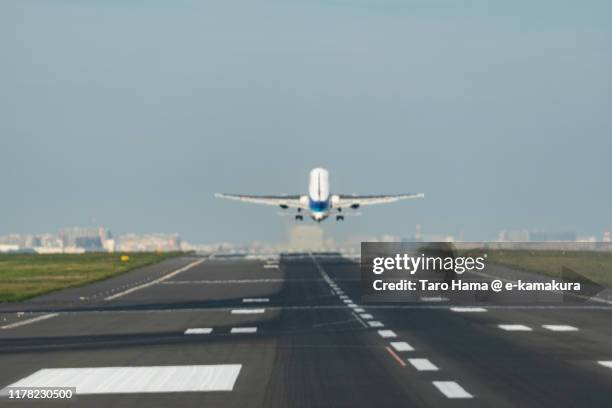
x=291 y=331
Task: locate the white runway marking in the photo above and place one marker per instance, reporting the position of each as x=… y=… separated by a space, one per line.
x=248 y=311
x=270 y=266
x=375 y=323
x=387 y=334
x=434 y=299
x=401 y=346
x=153 y=282
x=468 y=309
x=359 y=310
x=240 y=330
x=605 y=363
x=353 y=306
x=128 y=380
x=28 y=321
x=422 y=364
x=344 y=297
x=514 y=327
x=559 y=327
x=366 y=316
x=199 y=330
x=451 y=389
x=347 y=301
x=255 y=300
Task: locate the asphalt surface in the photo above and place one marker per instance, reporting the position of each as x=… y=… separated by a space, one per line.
x=315 y=344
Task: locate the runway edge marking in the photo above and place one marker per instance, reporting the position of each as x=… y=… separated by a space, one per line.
x=158 y=280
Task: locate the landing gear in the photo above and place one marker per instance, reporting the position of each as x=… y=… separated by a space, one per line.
x=299 y=217
x=339 y=217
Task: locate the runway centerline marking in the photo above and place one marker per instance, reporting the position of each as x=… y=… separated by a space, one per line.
x=248 y=311
x=255 y=300
x=387 y=334
x=395 y=356
x=559 y=327
x=422 y=364
x=29 y=321
x=199 y=330
x=242 y=330
x=605 y=363
x=514 y=327
x=401 y=346
x=128 y=380
x=468 y=309
x=451 y=389
x=155 y=281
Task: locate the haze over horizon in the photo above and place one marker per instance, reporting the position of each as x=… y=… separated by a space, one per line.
x=135 y=113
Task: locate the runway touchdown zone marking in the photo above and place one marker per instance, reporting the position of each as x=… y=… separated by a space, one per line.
x=131 y=380
x=451 y=389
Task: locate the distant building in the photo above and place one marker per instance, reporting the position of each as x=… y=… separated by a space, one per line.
x=149 y=242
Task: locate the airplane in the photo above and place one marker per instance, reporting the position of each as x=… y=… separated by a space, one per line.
x=319 y=203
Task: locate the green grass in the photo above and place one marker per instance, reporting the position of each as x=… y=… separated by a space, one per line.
x=23 y=276
x=596 y=266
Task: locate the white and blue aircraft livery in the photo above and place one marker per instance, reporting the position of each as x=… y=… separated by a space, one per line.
x=319 y=203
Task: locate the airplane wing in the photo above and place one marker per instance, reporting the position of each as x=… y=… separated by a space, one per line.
x=356 y=201
x=283 y=201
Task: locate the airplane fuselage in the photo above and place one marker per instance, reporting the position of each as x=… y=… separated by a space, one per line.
x=319 y=198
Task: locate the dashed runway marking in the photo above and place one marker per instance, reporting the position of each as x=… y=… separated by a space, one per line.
x=451 y=389
x=359 y=310
x=375 y=323
x=199 y=330
x=387 y=334
x=255 y=300
x=248 y=311
x=514 y=327
x=468 y=309
x=270 y=266
x=422 y=364
x=243 y=330
x=126 y=380
x=366 y=316
x=401 y=346
x=605 y=363
x=559 y=327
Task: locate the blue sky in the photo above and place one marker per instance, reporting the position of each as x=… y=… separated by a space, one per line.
x=133 y=113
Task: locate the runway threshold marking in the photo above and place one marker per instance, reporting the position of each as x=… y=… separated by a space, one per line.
x=155 y=281
x=605 y=363
x=129 y=380
x=422 y=364
x=243 y=330
x=29 y=321
x=514 y=327
x=366 y=316
x=199 y=330
x=248 y=311
x=376 y=323
x=395 y=356
x=451 y=389
x=559 y=327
